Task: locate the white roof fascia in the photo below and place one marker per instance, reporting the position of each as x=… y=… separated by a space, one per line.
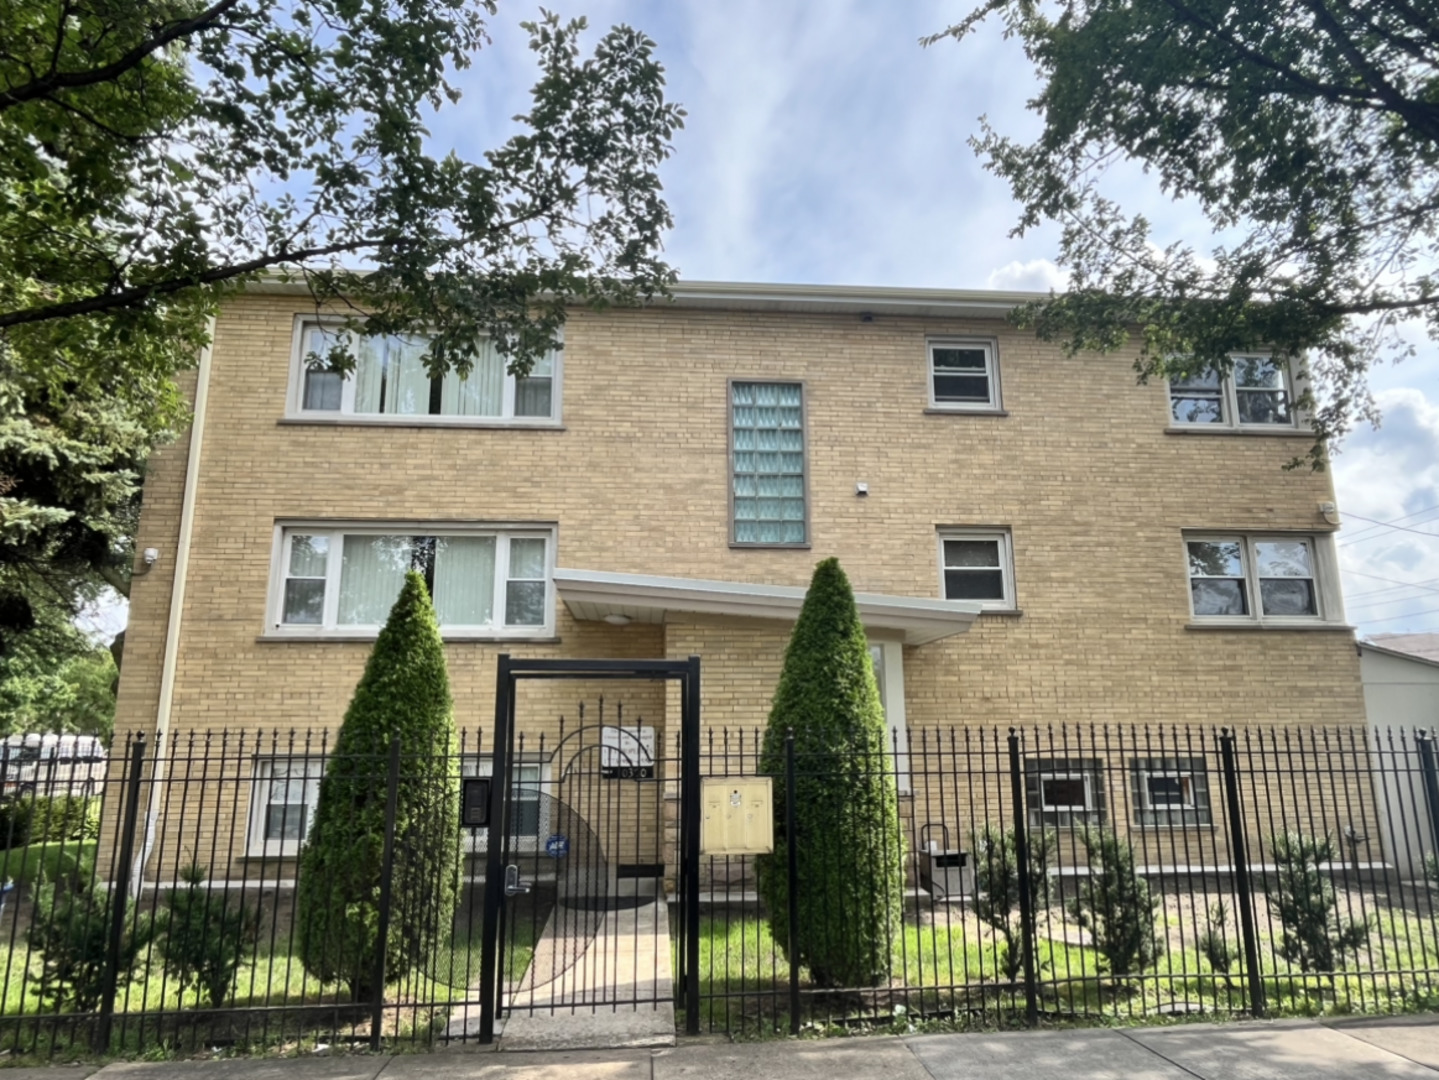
x=813 y=299
x=592 y=595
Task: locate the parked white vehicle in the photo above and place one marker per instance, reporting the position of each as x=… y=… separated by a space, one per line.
x=48 y=765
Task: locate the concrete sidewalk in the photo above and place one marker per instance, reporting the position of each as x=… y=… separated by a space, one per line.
x=1398 y=1048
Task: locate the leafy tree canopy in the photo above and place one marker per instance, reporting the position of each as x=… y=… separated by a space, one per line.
x=54 y=678
x=154 y=156
x=1308 y=133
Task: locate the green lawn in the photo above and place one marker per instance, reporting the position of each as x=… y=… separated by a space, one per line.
x=953 y=972
x=44 y=862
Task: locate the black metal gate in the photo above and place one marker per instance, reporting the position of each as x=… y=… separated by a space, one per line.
x=577 y=913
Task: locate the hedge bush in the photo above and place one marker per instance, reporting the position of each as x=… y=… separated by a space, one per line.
x=1116 y=906
x=28 y=820
x=404 y=692
x=849 y=846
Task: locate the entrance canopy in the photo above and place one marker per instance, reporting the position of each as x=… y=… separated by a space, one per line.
x=594 y=595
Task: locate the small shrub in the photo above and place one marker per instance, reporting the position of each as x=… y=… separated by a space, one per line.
x=850 y=850
x=1116 y=906
x=1431 y=870
x=1314 y=936
x=1214 y=942
x=65 y=817
x=996 y=885
x=207 y=936
x=16 y=818
x=71 y=935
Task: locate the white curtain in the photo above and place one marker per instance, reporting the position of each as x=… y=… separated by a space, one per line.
x=372 y=570
x=393 y=363
x=369 y=374
x=482 y=394
x=465 y=580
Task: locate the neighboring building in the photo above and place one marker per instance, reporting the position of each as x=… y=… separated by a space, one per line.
x=1034 y=538
x=1401 y=700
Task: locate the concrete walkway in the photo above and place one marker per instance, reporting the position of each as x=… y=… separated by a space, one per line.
x=1405 y=1048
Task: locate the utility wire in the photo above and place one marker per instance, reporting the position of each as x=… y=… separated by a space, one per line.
x=1387 y=525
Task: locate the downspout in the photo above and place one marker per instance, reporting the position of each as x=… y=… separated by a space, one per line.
x=177 y=607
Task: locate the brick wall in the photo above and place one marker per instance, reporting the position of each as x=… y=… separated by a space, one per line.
x=1081 y=469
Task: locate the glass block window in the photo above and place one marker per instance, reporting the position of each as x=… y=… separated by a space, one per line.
x=1064 y=791
x=767 y=423
x=1170 y=791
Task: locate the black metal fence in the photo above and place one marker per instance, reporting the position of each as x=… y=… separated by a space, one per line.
x=1047 y=872
x=1102 y=872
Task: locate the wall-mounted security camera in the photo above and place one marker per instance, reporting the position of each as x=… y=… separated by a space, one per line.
x=861 y=489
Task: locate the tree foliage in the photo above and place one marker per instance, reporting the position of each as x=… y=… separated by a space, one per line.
x=1314 y=937
x=997 y=881
x=1116 y=905
x=206 y=935
x=155 y=156
x=405 y=694
x=55 y=679
x=849 y=847
x=1307 y=133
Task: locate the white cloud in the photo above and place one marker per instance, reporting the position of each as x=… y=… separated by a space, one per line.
x=1392 y=475
x=1036 y=275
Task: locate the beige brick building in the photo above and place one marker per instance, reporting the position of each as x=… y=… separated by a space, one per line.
x=1037 y=539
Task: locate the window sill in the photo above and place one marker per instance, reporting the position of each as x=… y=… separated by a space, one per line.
x=940 y=410
x=736 y=545
x=1270 y=627
x=420 y=422
x=448 y=639
x=1002 y=613
x=1220 y=429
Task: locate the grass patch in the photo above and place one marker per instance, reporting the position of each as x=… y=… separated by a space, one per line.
x=46 y=861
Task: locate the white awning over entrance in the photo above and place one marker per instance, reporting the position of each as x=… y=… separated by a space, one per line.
x=594 y=595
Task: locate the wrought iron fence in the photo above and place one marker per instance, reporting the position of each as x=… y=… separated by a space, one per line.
x=1100 y=872
x=1074 y=872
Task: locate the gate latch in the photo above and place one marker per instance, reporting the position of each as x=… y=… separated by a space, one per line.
x=513 y=885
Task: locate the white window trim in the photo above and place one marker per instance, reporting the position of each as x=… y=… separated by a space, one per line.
x=1145 y=803
x=1229 y=403
x=1089 y=806
x=478 y=840
x=256 y=844
x=1328 y=601
x=295 y=396
x=891 y=659
x=329 y=627
x=1006 y=561
x=991 y=367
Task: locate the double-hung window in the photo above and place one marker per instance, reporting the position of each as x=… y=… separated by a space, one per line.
x=977 y=564
x=284 y=791
x=485 y=582
x=1254 y=578
x=768 y=464
x=963 y=375
x=1257 y=394
x=389 y=381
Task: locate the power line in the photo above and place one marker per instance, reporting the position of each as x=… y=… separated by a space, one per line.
x=1411 y=615
x=1393 y=581
x=1387 y=525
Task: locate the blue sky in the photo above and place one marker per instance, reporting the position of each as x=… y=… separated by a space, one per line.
x=824 y=145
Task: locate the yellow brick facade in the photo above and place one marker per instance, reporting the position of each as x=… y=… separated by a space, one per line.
x=1081 y=470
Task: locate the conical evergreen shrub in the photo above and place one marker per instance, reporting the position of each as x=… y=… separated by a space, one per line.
x=848 y=842
x=404 y=692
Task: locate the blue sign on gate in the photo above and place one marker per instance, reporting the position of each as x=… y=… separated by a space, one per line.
x=557 y=846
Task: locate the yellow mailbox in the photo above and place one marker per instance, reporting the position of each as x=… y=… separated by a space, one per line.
x=738 y=816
